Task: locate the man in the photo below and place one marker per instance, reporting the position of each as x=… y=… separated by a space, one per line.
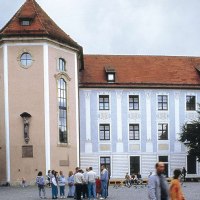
x=78 y=181
x=157 y=184
x=91 y=178
x=104 y=182
x=85 y=184
x=184 y=173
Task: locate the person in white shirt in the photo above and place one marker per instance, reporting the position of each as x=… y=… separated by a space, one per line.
x=78 y=181
x=91 y=178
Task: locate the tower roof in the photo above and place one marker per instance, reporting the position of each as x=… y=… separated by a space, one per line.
x=39 y=25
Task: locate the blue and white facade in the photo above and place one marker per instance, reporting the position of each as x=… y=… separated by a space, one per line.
x=129 y=130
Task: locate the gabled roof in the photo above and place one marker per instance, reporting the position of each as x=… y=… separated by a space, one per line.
x=42 y=25
x=141 y=71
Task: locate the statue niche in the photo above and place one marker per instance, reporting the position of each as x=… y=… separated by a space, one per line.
x=26 y=116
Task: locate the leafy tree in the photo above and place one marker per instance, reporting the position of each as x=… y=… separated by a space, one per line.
x=190 y=136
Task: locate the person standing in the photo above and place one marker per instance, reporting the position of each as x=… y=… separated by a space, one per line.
x=55 y=185
x=184 y=173
x=61 y=183
x=41 y=185
x=104 y=182
x=78 y=181
x=175 y=187
x=91 y=178
x=85 y=184
x=157 y=184
x=70 y=181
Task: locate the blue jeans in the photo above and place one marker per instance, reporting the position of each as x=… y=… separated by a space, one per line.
x=91 y=190
x=62 y=191
x=104 y=189
x=54 y=191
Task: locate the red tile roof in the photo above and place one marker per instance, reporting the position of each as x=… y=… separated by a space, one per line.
x=141 y=71
x=42 y=25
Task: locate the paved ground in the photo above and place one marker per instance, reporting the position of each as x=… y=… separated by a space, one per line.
x=191 y=191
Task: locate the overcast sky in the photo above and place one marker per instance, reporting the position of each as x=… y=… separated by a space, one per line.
x=138 y=27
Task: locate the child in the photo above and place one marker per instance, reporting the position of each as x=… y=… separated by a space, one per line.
x=41 y=184
x=98 y=187
x=54 y=185
x=70 y=181
x=23 y=182
x=49 y=176
x=62 y=182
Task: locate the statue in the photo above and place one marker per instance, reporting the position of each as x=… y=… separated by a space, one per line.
x=25 y=116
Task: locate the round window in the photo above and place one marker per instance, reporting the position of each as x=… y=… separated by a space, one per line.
x=26 y=60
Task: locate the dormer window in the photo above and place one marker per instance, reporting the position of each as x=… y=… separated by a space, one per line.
x=110 y=75
x=25 y=22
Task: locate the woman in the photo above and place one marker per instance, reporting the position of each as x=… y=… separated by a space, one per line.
x=175 y=187
x=70 y=181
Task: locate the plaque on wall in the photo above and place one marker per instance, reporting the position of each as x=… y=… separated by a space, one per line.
x=27 y=151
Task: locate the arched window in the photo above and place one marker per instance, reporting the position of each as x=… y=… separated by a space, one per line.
x=61 y=65
x=62 y=102
x=26 y=59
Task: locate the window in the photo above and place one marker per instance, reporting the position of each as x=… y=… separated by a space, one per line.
x=164 y=159
x=111 y=77
x=103 y=102
x=162 y=102
x=162 y=131
x=104 y=130
x=62 y=101
x=190 y=103
x=134 y=133
x=25 y=22
x=26 y=59
x=133 y=102
x=134 y=164
x=61 y=65
x=106 y=162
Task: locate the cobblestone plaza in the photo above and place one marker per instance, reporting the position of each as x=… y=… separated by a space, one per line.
x=191 y=191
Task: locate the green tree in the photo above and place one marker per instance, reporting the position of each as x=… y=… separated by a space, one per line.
x=190 y=136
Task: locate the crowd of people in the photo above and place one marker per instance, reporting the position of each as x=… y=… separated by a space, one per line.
x=81 y=183
x=88 y=185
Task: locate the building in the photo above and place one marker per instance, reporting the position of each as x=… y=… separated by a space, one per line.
x=39 y=119
x=132 y=109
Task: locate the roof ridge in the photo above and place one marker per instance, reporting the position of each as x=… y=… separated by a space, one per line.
x=34 y=4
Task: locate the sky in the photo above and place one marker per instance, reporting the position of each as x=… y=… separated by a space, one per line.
x=133 y=27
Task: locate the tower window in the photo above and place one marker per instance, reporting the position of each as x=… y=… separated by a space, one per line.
x=61 y=65
x=26 y=59
x=25 y=22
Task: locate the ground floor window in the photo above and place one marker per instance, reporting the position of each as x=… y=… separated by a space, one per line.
x=164 y=159
x=191 y=164
x=106 y=162
x=134 y=165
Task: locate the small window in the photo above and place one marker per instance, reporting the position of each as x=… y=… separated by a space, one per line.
x=26 y=59
x=25 y=22
x=111 y=77
x=133 y=102
x=61 y=65
x=162 y=131
x=134 y=133
x=190 y=102
x=162 y=102
x=104 y=130
x=103 y=102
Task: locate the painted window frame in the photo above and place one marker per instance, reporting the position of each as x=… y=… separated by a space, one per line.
x=104 y=102
x=104 y=136
x=162 y=102
x=134 y=138
x=163 y=123
x=133 y=103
